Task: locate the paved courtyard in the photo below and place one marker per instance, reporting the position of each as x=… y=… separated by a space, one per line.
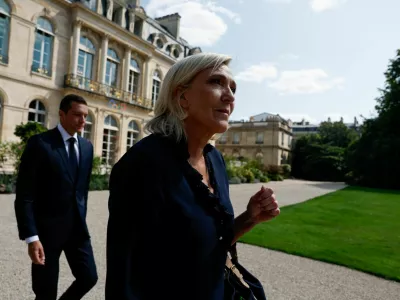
x=284 y=276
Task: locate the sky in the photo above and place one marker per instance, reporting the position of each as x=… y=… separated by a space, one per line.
x=301 y=59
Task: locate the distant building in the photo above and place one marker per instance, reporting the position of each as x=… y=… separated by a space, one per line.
x=265 y=137
x=304 y=127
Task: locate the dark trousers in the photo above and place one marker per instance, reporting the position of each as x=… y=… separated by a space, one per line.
x=79 y=254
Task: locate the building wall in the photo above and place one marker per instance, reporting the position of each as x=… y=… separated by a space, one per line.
x=19 y=85
x=272 y=149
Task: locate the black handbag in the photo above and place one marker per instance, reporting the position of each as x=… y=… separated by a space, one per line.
x=240 y=284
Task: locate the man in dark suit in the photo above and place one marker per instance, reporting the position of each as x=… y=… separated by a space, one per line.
x=51 y=203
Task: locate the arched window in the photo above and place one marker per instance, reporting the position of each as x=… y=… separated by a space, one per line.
x=87 y=131
x=110 y=141
x=37 y=112
x=4 y=31
x=156 y=87
x=112 y=68
x=43 y=49
x=87 y=52
x=134 y=78
x=133 y=134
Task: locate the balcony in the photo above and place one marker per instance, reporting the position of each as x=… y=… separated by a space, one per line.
x=85 y=84
x=3 y=59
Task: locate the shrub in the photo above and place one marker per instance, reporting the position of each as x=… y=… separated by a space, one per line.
x=276 y=177
x=264 y=178
x=231 y=171
x=6 y=183
x=248 y=175
x=98 y=183
x=96 y=169
x=274 y=170
x=235 y=180
x=257 y=173
x=286 y=170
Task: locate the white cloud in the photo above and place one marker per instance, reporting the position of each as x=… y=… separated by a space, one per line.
x=289 y=56
x=322 y=5
x=219 y=9
x=279 y=1
x=258 y=73
x=316 y=5
x=201 y=24
x=309 y=81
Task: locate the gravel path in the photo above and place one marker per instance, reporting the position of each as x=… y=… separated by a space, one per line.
x=284 y=276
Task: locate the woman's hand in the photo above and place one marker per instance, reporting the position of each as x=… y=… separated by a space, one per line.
x=262 y=206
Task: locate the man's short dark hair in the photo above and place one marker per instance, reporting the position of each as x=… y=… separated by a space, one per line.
x=66 y=102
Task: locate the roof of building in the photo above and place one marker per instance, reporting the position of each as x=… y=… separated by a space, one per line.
x=168 y=16
x=265 y=116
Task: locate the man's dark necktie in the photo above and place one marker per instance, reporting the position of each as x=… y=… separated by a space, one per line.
x=73 y=161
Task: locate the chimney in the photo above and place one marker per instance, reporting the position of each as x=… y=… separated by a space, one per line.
x=172 y=23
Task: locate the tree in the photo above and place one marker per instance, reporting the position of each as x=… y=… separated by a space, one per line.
x=374 y=159
x=322 y=156
x=25 y=131
x=337 y=134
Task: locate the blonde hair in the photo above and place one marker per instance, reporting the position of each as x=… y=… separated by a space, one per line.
x=168 y=114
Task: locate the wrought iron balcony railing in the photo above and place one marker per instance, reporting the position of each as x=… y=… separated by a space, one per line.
x=4 y=59
x=91 y=86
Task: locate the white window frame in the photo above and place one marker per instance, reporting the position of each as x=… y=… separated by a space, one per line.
x=37 y=112
x=133 y=74
x=108 y=142
x=44 y=31
x=6 y=34
x=89 y=51
x=116 y=62
x=155 y=92
x=132 y=135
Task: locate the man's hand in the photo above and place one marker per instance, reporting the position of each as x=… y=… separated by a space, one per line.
x=36 y=252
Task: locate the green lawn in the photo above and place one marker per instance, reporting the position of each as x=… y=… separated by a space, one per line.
x=354 y=227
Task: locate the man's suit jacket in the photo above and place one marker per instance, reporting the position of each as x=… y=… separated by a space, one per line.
x=49 y=203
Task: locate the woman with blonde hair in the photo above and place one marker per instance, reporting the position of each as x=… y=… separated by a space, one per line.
x=171 y=221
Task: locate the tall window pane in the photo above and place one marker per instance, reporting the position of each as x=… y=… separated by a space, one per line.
x=110 y=141
x=112 y=68
x=4 y=30
x=133 y=134
x=43 y=47
x=156 y=87
x=85 y=57
x=134 y=76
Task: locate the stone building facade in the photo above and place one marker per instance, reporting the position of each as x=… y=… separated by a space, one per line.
x=108 y=51
x=268 y=140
